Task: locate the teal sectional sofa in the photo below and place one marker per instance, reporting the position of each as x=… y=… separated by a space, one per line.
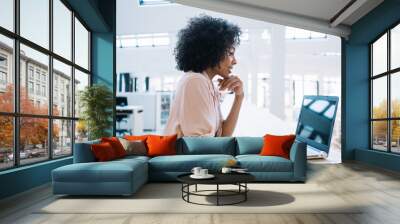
x=125 y=176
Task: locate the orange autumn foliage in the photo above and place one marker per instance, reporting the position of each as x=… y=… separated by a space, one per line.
x=33 y=130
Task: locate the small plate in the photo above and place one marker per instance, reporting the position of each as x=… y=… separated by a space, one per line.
x=208 y=176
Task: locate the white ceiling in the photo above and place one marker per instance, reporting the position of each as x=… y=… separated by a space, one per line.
x=316 y=15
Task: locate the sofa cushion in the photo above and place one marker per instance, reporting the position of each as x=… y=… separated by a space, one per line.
x=116 y=145
x=185 y=163
x=257 y=163
x=249 y=145
x=277 y=145
x=161 y=145
x=112 y=171
x=206 y=145
x=103 y=152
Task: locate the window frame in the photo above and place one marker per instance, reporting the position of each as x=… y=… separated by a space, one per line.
x=15 y=72
x=388 y=74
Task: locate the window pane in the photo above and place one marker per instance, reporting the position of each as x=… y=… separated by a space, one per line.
x=379 y=98
x=35 y=21
x=62 y=89
x=7 y=14
x=62 y=29
x=395 y=136
x=395 y=94
x=62 y=141
x=81 y=81
x=33 y=139
x=6 y=142
x=81 y=45
x=379 y=55
x=34 y=72
x=395 y=47
x=81 y=131
x=6 y=74
x=379 y=135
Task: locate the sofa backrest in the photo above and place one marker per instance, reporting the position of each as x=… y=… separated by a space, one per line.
x=83 y=152
x=249 y=145
x=206 y=145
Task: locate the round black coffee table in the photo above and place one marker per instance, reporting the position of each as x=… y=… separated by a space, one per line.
x=238 y=179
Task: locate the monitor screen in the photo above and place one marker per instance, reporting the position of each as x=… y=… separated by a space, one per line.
x=316 y=120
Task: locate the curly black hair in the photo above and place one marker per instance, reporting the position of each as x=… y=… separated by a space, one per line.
x=203 y=43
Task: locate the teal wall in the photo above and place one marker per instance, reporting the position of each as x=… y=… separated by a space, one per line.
x=356 y=101
x=100 y=17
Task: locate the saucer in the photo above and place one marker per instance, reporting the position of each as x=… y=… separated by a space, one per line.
x=208 y=176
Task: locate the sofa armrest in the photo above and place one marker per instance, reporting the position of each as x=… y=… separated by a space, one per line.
x=298 y=155
x=83 y=152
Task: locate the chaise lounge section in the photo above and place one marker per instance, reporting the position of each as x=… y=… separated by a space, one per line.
x=125 y=176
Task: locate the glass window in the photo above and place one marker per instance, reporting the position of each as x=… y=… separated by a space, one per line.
x=6 y=142
x=33 y=139
x=35 y=21
x=379 y=98
x=40 y=62
x=379 y=135
x=81 y=131
x=379 y=56
x=395 y=47
x=395 y=136
x=62 y=29
x=81 y=81
x=62 y=137
x=62 y=72
x=395 y=95
x=81 y=45
x=6 y=75
x=7 y=14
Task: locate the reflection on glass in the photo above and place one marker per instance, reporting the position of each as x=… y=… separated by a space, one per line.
x=395 y=47
x=62 y=29
x=33 y=139
x=379 y=98
x=62 y=89
x=379 y=135
x=395 y=136
x=6 y=142
x=35 y=21
x=395 y=94
x=317 y=120
x=81 y=131
x=34 y=96
x=81 y=81
x=81 y=45
x=7 y=14
x=379 y=55
x=6 y=75
x=62 y=138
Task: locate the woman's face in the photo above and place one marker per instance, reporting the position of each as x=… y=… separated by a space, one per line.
x=225 y=66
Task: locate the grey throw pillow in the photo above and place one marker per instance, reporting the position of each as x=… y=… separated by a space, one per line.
x=137 y=148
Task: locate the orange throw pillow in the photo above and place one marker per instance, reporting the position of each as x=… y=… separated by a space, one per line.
x=161 y=145
x=136 y=137
x=103 y=152
x=116 y=145
x=275 y=145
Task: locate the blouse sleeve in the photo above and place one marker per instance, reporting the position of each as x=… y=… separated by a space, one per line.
x=197 y=116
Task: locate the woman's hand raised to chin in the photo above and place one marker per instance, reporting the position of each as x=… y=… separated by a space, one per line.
x=233 y=83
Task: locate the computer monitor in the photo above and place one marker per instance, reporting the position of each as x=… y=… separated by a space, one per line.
x=316 y=120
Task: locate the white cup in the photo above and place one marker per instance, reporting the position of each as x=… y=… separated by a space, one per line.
x=226 y=170
x=196 y=170
x=203 y=172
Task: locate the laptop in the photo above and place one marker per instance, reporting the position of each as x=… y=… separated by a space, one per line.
x=315 y=124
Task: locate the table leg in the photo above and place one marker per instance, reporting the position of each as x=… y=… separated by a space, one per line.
x=217 y=194
x=196 y=188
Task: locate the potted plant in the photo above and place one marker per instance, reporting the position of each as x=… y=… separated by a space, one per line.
x=96 y=103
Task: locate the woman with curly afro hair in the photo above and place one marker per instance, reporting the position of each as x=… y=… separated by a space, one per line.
x=205 y=49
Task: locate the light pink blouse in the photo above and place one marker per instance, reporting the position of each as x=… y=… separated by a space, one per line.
x=196 y=108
